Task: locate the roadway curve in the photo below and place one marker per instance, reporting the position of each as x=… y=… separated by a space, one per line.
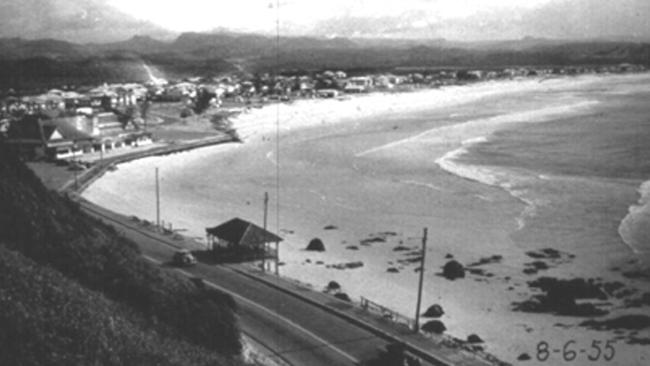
x=296 y=331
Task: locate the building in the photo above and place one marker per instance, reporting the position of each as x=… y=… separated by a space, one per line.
x=238 y=232
x=40 y=136
x=359 y=84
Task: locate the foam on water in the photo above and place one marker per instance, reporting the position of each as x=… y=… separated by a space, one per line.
x=514 y=182
x=634 y=228
x=509 y=180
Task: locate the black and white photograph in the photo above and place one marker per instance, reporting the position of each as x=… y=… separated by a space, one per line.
x=324 y=182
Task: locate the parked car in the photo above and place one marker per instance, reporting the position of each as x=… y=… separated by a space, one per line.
x=183 y=257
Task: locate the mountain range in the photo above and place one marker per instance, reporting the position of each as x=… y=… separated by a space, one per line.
x=49 y=62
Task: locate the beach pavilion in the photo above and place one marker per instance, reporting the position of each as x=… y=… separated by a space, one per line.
x=240 y=234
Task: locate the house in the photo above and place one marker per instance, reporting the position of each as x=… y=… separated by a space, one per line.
x=54 y=138
x=359 y=84
x=239 y=233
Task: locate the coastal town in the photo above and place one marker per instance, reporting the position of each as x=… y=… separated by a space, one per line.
x=71 y=123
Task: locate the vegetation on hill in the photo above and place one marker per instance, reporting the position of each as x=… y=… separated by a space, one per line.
x=47 y=63
x=49 y=319
x=52 y=232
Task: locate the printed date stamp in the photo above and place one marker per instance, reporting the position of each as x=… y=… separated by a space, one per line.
x=572 y=351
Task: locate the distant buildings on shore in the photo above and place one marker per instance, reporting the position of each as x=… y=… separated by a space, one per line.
x=64 y=123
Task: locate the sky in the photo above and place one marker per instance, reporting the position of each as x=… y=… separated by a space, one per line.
x=302 y=15
x=455 y=20
x=464 y=20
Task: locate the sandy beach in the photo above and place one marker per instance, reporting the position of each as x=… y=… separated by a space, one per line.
x=366 y=174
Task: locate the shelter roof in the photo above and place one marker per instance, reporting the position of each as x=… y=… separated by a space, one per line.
x=242 y=232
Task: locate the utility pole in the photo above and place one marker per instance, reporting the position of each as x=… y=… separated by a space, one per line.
x=157 y=202
x=75 y=165
x=417 y=309
x=266 y=209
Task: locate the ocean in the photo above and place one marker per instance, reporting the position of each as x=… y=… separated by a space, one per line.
x=584 y=179
x=497 y=168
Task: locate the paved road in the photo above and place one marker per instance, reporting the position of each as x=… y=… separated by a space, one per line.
x=296 y=331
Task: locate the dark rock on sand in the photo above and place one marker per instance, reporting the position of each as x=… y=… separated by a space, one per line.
x=473 y=338
x=639 y=341
x=434 y=311
x=392 y=270
x=530 y=271
x=524 y=357
x=316 y=245
x=560 y=297
x=434 y=326
x=400 y=248
x=352 y=247
x=578 y=288
x=376 y=239
x=644 y=300
x=449 y=256
x=330 y=227
x=343 y=296
x=539 y=265
x=333 y=286
x=634 y=321
x=486 y=260
x=453 y=270
x=560 y=306
x=349 y=265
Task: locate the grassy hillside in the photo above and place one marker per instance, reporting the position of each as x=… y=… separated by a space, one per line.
x=49 y=319
x=67 y=257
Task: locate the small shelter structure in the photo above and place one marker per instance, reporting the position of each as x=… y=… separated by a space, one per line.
x=239 y=233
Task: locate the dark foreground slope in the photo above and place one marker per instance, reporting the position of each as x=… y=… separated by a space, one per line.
x=74 y=292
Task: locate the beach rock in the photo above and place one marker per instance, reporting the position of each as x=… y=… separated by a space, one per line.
x=560 y=297
x=330 y=227
x=434 y=311
x=316 y=245
x=453 y=270
x=333 y=286
x=530 y=271
x=639 y=341
x=473 y=338
x=434 y=326
x=524 y=357
x=392 y=270
x=449 y=256
x=644 y=300
x=486 y=260
x=349 y=265
x=631 y=322
x=352 y=247
x=343 y=296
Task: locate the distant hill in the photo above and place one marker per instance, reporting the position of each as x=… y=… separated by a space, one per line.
x=26 y=63
x=74 y=292
x=80 y=21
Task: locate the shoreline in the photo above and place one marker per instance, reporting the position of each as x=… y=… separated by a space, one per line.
x=449 y=287
x=97 y=170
